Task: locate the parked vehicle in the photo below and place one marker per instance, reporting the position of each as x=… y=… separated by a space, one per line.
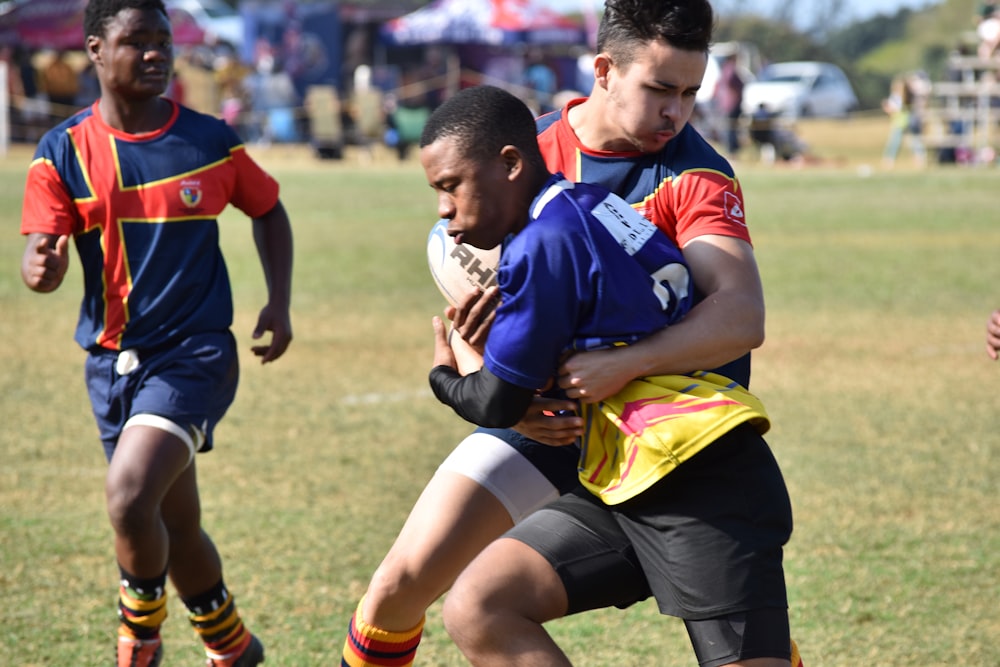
x=217 y=18
x=797 y=89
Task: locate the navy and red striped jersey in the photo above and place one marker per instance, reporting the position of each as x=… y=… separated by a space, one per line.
x=143 y=210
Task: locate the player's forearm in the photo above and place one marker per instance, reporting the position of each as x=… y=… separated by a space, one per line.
x=723 y=327
x=273 y=237
x=481 y=397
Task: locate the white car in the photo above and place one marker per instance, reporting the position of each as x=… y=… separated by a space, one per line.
x=218 y=19
x=797 y=89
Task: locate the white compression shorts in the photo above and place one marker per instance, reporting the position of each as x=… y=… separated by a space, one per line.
x=503 y=471
x=193 y=439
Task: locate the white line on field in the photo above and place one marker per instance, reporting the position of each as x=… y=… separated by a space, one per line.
x=379 y=397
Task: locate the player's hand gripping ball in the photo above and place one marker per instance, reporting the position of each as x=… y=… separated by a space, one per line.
x=458 y=268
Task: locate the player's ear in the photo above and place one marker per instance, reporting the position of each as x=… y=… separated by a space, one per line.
x=93 y=46
x=513 y=161
x=602 y=65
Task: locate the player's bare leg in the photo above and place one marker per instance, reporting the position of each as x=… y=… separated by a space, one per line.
x=146 y=463
x=154 y=508
x=451 y=522
x=496 y=611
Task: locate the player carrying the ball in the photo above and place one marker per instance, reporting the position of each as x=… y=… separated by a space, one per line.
x=679 y=496
x=138 y=182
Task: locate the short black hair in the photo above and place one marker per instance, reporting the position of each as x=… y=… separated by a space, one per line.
x=629 y=24
x=484 y=119
x=100 y=12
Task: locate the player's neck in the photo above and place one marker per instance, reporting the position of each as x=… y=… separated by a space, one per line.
x=592 y=128
x=135 y=117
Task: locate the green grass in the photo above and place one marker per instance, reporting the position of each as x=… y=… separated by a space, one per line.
x=884 y=405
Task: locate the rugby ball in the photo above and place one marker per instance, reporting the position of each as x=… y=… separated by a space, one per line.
x=459 y=268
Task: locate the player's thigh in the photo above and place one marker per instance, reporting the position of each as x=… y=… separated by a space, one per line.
x=508 y=578
x=451 y=522
x=755 y=634
x=521 y=473
x=584 y=545
x=710 y=535
x=147 y=463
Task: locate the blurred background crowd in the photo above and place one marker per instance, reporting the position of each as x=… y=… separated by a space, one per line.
x=368 y=74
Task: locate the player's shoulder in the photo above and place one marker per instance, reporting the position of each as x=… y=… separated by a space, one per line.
x=186 y=116
x=57 y=139
x=548 y=120
x=561 y=210
x=214 y=138
x=689 y=151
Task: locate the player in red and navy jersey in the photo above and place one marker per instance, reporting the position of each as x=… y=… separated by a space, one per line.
x=138 y=182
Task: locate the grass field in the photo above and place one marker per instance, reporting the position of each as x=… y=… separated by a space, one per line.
x=885 y=407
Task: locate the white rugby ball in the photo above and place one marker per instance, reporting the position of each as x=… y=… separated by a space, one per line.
x=459 y=268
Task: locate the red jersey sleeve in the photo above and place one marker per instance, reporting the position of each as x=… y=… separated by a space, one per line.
x=256 y=191
x=702 y=202
x=48 y=207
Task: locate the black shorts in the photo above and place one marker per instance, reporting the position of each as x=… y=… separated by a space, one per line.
x=706 y=541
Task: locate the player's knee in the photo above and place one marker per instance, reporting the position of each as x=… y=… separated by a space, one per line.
x=397 y=589
x=465 y=615
x=129 y=509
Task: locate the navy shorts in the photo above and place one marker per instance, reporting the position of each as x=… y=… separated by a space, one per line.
x=191 y=383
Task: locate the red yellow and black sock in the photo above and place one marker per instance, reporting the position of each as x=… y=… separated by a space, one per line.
x=796 y=657
x=142 y=605
x=368 y=646
x=214 y=616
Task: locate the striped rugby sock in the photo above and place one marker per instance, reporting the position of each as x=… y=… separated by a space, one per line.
x=368 y=646
x=214 y=617
x=142 y=606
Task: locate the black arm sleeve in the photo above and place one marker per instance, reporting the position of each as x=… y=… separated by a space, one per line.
x=481 y=397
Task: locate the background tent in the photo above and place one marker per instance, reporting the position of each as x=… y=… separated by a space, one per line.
x=58 y=24
x=488 y=22
x=39 y=24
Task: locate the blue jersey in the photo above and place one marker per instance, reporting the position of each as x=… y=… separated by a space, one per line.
x=586 y=272
x=143 y=211
x=686 y=188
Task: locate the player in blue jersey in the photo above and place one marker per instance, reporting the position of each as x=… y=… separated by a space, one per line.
x=138 y=182
x=630 y=135
x=680 y=497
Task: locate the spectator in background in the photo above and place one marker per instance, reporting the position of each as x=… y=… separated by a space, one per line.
x=907 y=96
x=33 y=108
x=274 y=101
x=15 y=89
x=367 y=110
x=234 y=97
x=60 y=82
x=729 y=97
x=988 y=31
x=541 y=81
